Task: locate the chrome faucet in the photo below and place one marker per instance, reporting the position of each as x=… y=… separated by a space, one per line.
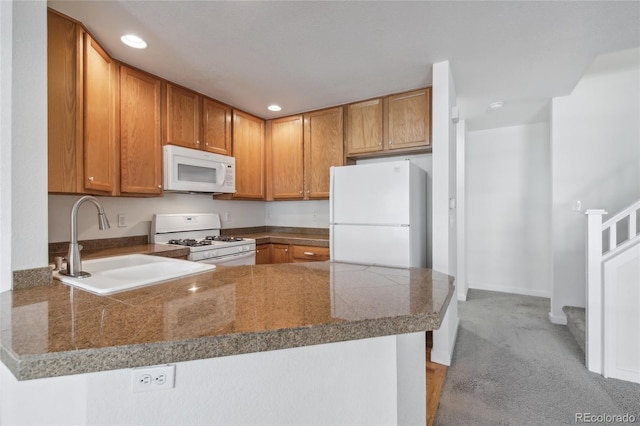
x=74 y=264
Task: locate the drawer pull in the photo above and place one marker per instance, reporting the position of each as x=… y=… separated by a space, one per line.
x=309 y=253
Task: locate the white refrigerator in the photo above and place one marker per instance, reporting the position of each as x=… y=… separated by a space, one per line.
x=378 y=214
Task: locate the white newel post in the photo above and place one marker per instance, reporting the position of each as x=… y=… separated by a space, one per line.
x=594 y=305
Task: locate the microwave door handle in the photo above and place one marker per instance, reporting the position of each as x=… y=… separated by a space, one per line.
x=222 y=173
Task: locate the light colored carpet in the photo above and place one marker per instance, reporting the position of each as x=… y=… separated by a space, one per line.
x=511 y=366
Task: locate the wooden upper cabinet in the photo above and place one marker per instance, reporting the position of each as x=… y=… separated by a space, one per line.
x=64 y=101
x=365 y=126
x=181 y=117
x=409 y=119
x=140 y=133
x=216 y=127
x=286 y=158
x=99 y=118
x=323 y=144
x=249 y=150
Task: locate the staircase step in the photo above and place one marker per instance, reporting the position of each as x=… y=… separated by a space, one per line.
x=576 y=324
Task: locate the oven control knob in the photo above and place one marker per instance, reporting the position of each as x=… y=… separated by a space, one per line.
x=213 y=253
x=239 y=249
x=246 y=248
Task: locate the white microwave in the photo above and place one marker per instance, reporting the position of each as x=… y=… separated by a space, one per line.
x=190 y=170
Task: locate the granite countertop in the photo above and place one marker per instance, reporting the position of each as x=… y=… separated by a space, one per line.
x=55 y=330
x=289 y=238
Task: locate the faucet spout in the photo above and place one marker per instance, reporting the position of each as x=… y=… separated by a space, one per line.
x=74 y=264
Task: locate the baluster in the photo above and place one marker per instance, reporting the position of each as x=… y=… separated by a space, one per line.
x=613 y=236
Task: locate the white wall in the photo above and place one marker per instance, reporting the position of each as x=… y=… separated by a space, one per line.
x=6 y=24
x=303 y=214
x=462 y=281
x=508 y=199
x=369 y=381
x=595 y=134
x=140 y=210
x=444 y=187
x=29 y=135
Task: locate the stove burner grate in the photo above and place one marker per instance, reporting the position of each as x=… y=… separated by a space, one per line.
x=190 y=242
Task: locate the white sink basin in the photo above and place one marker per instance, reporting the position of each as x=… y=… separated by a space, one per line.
x=119 y=273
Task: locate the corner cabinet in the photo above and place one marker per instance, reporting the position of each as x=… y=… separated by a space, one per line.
x=249 y=150
x=285 y=158
x=140 y=133
x=395 y=124
x=99 y=118
x=82 y=97
x=64 y=103
x=323 y=148
x=301 y=149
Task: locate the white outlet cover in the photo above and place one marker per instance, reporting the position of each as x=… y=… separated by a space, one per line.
x=147 y=379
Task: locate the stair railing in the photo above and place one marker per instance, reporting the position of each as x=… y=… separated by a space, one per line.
x=596 y=234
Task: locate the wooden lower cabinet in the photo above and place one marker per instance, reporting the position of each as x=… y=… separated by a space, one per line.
x=309 y=254
x=280 y=253
x=263 y=254
x=288 y=253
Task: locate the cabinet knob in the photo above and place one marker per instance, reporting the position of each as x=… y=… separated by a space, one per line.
x=160 y=186
x=91 y=179
x=197 y=142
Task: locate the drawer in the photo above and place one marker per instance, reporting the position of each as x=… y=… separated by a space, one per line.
x=308 y=253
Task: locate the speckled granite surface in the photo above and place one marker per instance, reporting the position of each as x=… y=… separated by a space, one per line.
x=313 y=240
x=55 y=330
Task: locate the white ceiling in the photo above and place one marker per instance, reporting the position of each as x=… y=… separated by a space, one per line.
x=314 y=54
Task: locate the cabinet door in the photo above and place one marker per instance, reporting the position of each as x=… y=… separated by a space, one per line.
x=248 y=149
x=309 y=253
x=182 y=121
x=280 y=253
x=64 y=97
x=216 y=127
x=323 y=144
x=286 y=168
x=364 y=127
x=409 y=119
x=99 y=118
x=140 y=140
x=263 y=254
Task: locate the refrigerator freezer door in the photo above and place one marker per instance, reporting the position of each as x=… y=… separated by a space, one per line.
x=371 y=194
x=371 y=245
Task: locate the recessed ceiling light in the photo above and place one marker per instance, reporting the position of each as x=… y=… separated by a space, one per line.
x=274 y=108
x=496 y=105
x=133 y=41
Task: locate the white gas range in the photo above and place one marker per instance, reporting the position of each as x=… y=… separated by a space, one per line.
x=201 y=233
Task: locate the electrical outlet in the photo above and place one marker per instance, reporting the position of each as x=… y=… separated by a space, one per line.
x=153 y=378
x=576 y=205
x=227 y=217
x=315 y=216
x=123 y=221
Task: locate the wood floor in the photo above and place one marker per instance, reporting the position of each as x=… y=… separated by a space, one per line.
x=436 y=374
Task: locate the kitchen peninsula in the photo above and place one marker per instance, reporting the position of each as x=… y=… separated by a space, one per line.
x=317 y=332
